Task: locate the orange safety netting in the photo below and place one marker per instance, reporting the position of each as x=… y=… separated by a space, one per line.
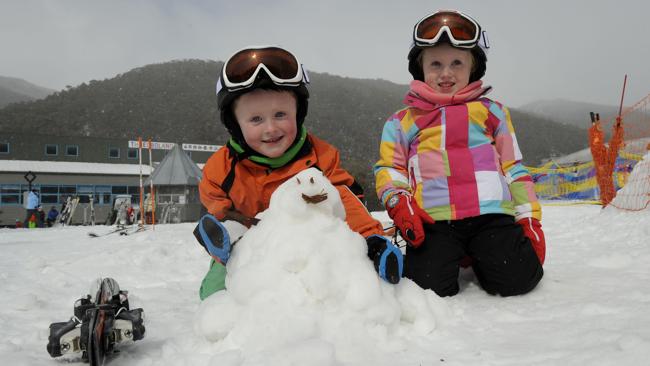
x=613 y=167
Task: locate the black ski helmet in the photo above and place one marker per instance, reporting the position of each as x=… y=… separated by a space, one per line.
x=227 y=96
x=479 y=50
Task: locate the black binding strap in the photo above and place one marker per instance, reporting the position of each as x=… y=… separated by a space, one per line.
x=356 y=188
x=227 y=183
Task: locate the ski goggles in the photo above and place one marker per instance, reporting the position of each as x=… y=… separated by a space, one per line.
x=242 y=68
x=461 y=29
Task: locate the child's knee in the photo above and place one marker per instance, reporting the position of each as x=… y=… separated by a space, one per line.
x=518 y=279
x=447 y=288
x=443 y=281
x=528 y=282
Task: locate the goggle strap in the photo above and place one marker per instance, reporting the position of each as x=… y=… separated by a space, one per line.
x=219 y=85
x=484 y=39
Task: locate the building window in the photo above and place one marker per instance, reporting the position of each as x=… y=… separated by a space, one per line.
x=84 y=193
x=171 y=198
x=49 y=194
x=51 y=150
x=72 y=150
x=10 y=194
x=134 y=191
x=66 y=192
x=53 y=194
x=4 y=148
x=132 y=154
x=103 y=195
x=114 y=152
x=119 y=190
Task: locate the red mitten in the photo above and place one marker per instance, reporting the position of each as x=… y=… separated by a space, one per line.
x=408 y=218
x=533 y=231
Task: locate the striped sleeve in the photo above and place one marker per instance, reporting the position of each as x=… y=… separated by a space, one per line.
x=519 y=181
x=391 y=170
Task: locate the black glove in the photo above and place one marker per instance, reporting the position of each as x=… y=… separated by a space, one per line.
x=388 y=259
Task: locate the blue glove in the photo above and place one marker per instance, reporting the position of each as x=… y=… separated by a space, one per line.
x=214 y=238
x=388 y=259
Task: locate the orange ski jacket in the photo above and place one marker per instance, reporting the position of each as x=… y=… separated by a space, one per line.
x=253 y=184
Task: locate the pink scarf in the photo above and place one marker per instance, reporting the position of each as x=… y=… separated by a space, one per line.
x=423 y=97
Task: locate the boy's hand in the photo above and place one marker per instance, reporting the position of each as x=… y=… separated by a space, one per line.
x=408 y=218
x=214 y=237
x=232 y=214
x=533 y=231
x=388 y=259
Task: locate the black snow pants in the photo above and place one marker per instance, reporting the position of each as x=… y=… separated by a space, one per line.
x=503 y=257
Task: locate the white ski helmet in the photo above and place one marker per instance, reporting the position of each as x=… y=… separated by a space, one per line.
x=453 y=27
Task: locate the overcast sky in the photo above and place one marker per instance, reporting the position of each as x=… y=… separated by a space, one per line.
x=578 y=50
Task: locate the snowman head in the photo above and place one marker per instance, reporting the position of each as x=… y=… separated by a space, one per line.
x=308 y=191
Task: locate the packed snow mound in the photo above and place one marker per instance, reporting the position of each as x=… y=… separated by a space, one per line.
x=300 y=281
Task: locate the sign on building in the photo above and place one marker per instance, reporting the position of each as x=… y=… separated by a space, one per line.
x=155 y=145
x=200 y=147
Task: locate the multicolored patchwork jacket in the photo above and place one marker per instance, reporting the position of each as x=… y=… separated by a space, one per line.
x=458 y=161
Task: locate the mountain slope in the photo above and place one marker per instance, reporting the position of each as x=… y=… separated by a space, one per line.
x=570 y=112
x=175 y=101
x=14 y=90
x=576 y=114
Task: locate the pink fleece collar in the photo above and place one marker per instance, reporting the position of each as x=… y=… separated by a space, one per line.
x=423 y=97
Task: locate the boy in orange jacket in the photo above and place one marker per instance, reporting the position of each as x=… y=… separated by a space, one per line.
x=262 y=98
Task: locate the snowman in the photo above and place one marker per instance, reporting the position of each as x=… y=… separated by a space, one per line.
x=301 y=278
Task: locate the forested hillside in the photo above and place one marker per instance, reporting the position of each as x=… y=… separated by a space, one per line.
x=175 y=101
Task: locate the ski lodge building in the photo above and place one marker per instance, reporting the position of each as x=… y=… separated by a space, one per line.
x=99 y=168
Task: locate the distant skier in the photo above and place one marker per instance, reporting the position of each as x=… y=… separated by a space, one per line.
x=148 y=209
x=130 y=215
x=52 y=214
x=450 y=171
x=41 y=216
x=33 y=201
x=262 y=96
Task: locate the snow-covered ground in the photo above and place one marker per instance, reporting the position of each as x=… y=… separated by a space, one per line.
x=591 y=308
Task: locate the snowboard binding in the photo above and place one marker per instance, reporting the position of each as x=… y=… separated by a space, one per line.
x=98 y=324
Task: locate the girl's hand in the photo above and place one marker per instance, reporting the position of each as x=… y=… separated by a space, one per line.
x=533 y=231
x=408 y=218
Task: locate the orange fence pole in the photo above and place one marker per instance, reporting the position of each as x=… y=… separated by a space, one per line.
x=141 y=185
x=153 y=197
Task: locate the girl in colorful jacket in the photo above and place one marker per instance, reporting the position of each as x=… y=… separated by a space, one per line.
x=450 y=171
x=262 y=97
